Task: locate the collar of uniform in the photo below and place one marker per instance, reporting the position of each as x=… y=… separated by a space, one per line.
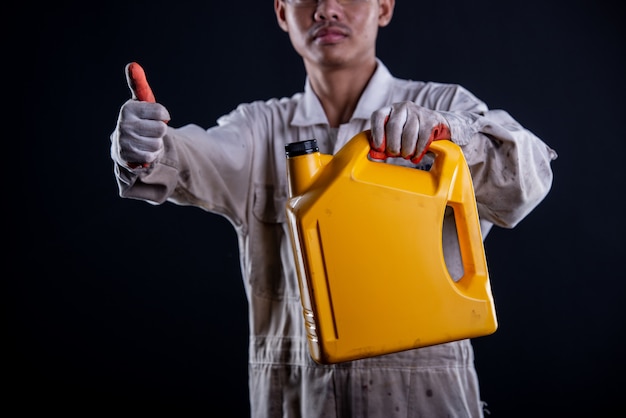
x=309 y=110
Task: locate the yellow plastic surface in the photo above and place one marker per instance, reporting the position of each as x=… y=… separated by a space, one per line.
x=367 y=237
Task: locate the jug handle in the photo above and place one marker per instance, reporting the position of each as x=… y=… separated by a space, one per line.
x=472 y=253
x=439 y=133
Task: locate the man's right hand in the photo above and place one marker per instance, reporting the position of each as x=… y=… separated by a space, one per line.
x=142 y=123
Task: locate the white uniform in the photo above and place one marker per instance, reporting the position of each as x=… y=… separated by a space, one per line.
x=237 y=169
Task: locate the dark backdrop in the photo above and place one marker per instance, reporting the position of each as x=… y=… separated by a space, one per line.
x=114 y=305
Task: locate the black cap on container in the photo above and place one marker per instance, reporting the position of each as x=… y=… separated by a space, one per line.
x=301 y=148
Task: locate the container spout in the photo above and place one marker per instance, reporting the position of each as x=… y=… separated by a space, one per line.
x=304 y=162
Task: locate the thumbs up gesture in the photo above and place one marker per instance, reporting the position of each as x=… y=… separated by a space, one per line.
x=142 y=123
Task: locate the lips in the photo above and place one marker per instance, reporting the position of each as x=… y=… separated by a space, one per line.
x=330 y=34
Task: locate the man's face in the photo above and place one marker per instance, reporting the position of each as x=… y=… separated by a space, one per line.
x=333 y=33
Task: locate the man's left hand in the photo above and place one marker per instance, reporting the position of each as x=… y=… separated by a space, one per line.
x=406 y=130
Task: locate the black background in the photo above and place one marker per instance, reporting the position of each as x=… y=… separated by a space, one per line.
x=113 y=305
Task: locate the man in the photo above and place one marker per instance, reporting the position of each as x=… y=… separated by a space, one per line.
x=237 y=169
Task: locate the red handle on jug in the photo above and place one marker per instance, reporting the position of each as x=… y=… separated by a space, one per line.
x=438 y=133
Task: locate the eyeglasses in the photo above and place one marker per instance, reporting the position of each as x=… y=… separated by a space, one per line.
x=314 y=3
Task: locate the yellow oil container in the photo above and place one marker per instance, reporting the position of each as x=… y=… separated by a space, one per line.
x=367 y=239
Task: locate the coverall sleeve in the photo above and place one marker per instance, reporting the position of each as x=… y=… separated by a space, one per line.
x=510 y=166
x=210 y=169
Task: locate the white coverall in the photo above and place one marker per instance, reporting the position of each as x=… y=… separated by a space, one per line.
x=238 y=169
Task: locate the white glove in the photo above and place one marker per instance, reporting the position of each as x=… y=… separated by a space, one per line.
x=138 y=137
x=406 y=130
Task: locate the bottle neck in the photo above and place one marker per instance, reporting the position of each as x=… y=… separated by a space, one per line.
x=301 y=172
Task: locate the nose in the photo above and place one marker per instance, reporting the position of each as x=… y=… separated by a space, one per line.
x=328 y=10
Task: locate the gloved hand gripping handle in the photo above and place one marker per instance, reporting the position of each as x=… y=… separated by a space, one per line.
x=438 y=133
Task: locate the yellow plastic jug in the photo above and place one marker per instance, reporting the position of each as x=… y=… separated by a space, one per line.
x=367 y=239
